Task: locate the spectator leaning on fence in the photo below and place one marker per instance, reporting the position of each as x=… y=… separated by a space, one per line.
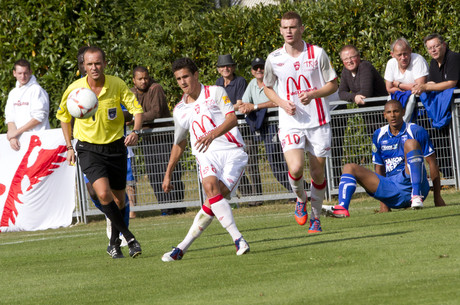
x=208 y=116
x=255 y=105
x=444 y=72
x=405 y=69
x=101 y=145
x=400 y=178
x=306 y=82
x=359 y=78
x=157 y=147
x=27 y=107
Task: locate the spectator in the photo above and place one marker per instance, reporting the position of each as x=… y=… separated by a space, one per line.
x=206 y=116
x=101 y=145
x=306 y=84
x=359 y=78
x=405 y=69
x=444 y=72
x=27 y=107
x=255 y=104
x=157 y=147
x=235 y=87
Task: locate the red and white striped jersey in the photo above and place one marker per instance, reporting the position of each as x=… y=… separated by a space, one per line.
x=204 y=115
x=311 y=70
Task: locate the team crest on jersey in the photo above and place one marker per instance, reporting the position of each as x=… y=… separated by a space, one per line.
x=226 y=100
x=296 y=65
x=374 y=148
x=404 y=138
x=197 y=108
x=112 y=113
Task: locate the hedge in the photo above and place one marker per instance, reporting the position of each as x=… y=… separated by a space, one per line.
x=155 y=33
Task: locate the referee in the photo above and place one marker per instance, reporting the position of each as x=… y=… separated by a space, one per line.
x=101 y=146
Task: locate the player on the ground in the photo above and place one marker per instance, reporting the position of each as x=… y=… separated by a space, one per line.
x=208 y=115
x=306 y=84
x=400 y=178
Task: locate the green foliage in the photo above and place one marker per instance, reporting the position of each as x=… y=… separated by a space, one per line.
x=155 y=33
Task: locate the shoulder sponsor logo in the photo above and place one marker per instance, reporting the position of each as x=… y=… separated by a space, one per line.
x=226 y=99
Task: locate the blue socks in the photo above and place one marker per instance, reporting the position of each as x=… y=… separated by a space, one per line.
x=347 y=188
x=415 y=164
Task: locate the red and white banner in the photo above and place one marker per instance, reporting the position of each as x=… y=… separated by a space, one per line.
x=37 y=186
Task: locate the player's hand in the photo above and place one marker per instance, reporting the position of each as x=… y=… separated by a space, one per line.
x=289 y=107
x=131 y=139
x=167 y=186
x=306 y=97
x=15 y=144
x=71 y=157
x=204 y=142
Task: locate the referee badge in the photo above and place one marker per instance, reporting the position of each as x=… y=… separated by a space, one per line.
x=112 y=113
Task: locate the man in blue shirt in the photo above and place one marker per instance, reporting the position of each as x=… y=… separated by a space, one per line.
x=400 y=178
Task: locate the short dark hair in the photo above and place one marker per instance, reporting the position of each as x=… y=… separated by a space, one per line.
x=94 y=49
x=292 y=15
x=184 y=63
x=23 y=63
x=140 y=69
x=348 y=46
x=433 y=36
x=394 y=102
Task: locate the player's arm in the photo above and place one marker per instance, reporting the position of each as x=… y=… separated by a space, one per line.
x=204 y=142
x=176 y=153
x=326 y=90
x=132 y=138
x=67 y=131
x=435 y=179
x=287 y=106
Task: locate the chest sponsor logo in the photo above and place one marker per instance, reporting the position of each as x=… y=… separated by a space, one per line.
x=389 y=147
x=392 y=163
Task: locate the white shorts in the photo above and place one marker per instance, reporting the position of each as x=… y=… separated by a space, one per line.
x=316 y=141
x=228 y=166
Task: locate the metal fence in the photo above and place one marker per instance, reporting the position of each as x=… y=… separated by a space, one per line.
x=266 y=173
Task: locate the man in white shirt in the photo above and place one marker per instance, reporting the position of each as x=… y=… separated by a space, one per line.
x=27 y=107
x=306 y=84
x=405 y=69
x=207 y=114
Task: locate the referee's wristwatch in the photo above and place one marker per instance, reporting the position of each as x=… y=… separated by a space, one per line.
x=136 y=131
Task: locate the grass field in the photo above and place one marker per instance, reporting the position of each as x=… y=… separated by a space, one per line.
x=403 y=257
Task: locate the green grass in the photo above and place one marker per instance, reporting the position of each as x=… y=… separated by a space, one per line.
x=403 y=257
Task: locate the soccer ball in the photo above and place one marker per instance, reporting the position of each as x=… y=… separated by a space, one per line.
x=82 y=103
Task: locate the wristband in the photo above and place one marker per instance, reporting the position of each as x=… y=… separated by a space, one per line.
x=70 y=147
x=256 y=107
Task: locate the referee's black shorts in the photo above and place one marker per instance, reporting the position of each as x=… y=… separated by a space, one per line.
x=104 y=160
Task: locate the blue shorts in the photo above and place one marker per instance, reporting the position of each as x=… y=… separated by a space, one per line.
x=396 y=191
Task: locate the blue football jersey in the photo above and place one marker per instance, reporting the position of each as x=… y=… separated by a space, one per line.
x=388 y=149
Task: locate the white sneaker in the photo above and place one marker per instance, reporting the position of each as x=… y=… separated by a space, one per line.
x=242 y=246
x=175 y=255
x=327 y=210
x=417 y=202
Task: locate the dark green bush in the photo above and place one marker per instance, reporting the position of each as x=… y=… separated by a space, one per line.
x=155 y=33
